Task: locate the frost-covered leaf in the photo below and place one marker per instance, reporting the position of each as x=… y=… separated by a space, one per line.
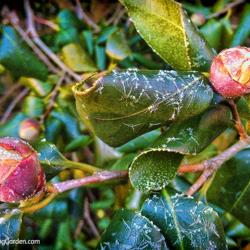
x=185 y=223
x=10 y=225
x=130 y=230
x=117 y=46
x=157 y=166
x=77 y=59
x=230 y=188
x=165 y=26
x=18 y=58
x=122 y=105
x=50 y=157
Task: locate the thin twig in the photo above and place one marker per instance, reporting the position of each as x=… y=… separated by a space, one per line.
x=9 y=92
x=88 y=219
x=12 y=105
x=96 y=178
x=228 y=7
x=32 y=31
x=13 y=18
x=82 y=15
x=211 y=165
x=238 y=124
x=46 y=22
x=53 y=96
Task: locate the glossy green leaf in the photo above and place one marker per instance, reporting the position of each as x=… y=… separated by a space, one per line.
x=18 y=58
x=53 y=129
x=77 y=59
x=50 y=157
x=117 y=46
x=39 y=87
x=10 y=225
x=79 y=143
x=100 y=56
x=212 y=31
x=167 y=29
x=230 y=188
x=37 y=105
x=89 y=41
x=11 y=127
x=185 y=223
x=70 y=124
x=122 y=105
x=140 y=142
x=66 y=19
x=157 y=166
x=130 y=230
x=243 y=30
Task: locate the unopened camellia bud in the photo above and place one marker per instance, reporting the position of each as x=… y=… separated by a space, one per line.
x=21 y=175
x=198 y=19
x=29 y=129
x=230 y=72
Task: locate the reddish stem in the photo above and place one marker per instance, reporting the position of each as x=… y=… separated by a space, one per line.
x=96 y=178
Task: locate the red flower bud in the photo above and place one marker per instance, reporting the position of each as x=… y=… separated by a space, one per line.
x=230 y=72
x=29 y=129
x=21 y=175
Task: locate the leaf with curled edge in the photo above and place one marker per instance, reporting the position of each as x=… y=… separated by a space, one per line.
x=131 y=230
x=230 y=188
x=184 y=222
x=156 y=167
x=10 y=225
x=124 y=104
x=165 y=26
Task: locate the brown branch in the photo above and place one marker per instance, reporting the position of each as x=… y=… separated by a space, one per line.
x=82 y=15
x=211 y=165
x=46 y=22
x=32 y=31
x=99 y=177
x=227 y=8
x=13 y=19
x=238 y=124
x=88 y=219
x=53 y=96
x=13 y=104
x=9 y=93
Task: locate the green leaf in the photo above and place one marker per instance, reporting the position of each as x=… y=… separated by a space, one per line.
x=140 y=142
x=157 y=166
x=167 y=29
x=230 y=188
x=77 y=59
x=185 y=223
x=18 y=58
x=101 y=58
x=37 y=105
x=39 y=87
x=11 y=127
x=10 y=225
x=212 y=30
x=243 y=30
x=130 y=230
x=51 y=159
x=122 y=105
x=154 y=169
x=66 y=19
x=117 y=46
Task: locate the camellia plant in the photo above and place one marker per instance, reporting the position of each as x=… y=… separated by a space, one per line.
x=151 y=157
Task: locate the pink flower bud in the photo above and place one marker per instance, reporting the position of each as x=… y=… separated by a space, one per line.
x=29 y=129
x=230 y=72
x=21 y=175
x=198 y=19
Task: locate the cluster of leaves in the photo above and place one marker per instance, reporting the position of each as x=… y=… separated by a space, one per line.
x=156 y=117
